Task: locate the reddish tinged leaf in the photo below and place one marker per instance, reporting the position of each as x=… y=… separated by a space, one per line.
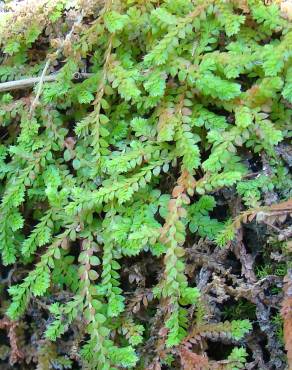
x=172 y=205
x=191 y=360
x=163 y=332
x=177 y=191
x=182 y=212
x=185 y=199
x=186 y=111
x=287 y=205
x=251 y=217
x=15 y=354
x=70 y=142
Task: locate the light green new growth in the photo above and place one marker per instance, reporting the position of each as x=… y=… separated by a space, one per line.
x=179 y=90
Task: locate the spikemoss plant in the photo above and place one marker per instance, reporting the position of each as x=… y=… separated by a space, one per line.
x=126 y=159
